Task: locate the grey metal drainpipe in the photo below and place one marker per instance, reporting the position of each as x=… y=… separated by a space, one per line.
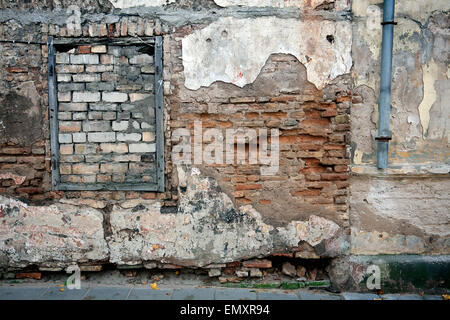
x=384 y=101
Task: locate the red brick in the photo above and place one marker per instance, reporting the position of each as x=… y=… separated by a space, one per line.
x=313 y=114
x=282 y=254
x=329 y=113
x=148 y=195
x=334 y=176
x=243 y=201
x=248 y=187
x=111 y=30
x=84 y=49
x=234 y=264
x=29 y=275
x=342 y=184
x=282 y=99
x=329 y=161
x=14 y=150
x=343 y=99
x=334 y=147
x=238 y=194
x=314 y=192
x=257 y=263
x=276 y=115
x=30 y=190
x=340 y=168
x=316 y=122
x=17 y=70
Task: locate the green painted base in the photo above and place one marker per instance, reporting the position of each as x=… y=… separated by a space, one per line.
x=404 y=273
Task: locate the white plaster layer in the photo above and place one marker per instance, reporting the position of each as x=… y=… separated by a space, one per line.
x=123 y=4
x=235 y=50
x=272 y=3
x=430 y=74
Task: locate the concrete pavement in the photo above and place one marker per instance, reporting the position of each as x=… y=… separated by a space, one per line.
x=19 y=292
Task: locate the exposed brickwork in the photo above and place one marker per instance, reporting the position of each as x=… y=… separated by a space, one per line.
x=81 y=86
x=314 y=135
x=106 y=128
x=313 y=125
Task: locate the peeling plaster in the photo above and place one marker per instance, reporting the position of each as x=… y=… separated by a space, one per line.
x=123 y=4
x=419 y=9
x=430 y=74
x=56 y=235
x=207 y=229
x=235 y=50
x=357 y=157
x=272 y=3
x=17 y=179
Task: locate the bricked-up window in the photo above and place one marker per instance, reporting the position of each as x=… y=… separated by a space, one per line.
x=106 y=115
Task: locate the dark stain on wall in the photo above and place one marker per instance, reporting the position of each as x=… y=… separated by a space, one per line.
x=20 y=120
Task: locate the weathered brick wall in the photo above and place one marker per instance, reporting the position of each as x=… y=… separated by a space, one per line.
x=25 y=161
x=106 y=116
x=290 y=212
x=23 y=119
x=314 y=135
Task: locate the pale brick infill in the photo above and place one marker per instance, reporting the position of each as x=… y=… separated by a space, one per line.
x=106 y=115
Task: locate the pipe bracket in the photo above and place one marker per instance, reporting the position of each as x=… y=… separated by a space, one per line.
x=383 y=138
x=389 y=22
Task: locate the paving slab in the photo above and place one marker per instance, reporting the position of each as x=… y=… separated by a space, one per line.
x=275 y=295
x=194 y=294
x=55 y=293
x=150 y=294
x=235 y=294
x=360 y=296
x=401 y=297
x=108 y=293
x=27 y=293
x=430 y=297
x=307 y=295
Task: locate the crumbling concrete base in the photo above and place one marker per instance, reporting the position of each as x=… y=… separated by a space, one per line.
x=207 y=229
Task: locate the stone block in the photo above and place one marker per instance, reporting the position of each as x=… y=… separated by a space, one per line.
x=64 y=96
x=102 y=137
x=79 y=137
x=79 y=116
x=86 y=96
x=114 y=147
x=72 y=106
x=65 y=87
x=82 y=168
x=142 y=147
x=86 y=77
x=85 y=148
x=65 y=138
x=148 y=136
x=114 y=168
x=98 y=49
x=128 y=137
x=66 y=149
x=102 y=106
x=120 y=125
x=84 y=59
x=69 y=126
x=141 y=59
x=96 y=126
x=114 y=96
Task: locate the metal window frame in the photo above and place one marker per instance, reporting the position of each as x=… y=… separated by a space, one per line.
x=54 y=125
